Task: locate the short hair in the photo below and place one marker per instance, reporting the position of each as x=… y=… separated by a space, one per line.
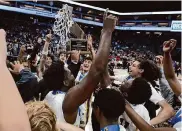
x=54 y=76
x=51 y=56
x=110 y=102
x=41 y=116
x=88 y=58
x=151 y=70
x=139 y=91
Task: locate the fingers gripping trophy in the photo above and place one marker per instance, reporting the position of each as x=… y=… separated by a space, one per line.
x=64 y=26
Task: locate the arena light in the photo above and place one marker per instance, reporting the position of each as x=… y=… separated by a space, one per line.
x=131 y=24
x=163 y=24
x=118 y=13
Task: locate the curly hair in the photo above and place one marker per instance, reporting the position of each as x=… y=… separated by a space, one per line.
x=151 y=70
x=54 y=76
x=41 y=117
x=139 y=91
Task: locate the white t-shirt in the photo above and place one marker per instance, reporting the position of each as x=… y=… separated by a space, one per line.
x=55 y=102
x=88 y=126
x=126 y=121
x=155 y=97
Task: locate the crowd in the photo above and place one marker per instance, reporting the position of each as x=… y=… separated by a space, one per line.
x=50 y=89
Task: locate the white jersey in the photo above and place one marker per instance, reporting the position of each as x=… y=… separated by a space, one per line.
x=155 y=97
x=126 y=121
x=55 y=101
x=177 y=119
x=88 y=126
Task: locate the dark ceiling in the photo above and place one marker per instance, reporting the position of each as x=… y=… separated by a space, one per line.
x=137 y=6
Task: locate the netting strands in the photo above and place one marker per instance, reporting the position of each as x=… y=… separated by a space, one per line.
x=62 y=24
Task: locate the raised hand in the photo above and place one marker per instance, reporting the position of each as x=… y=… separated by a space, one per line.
x=109 y=22
x=75 y=55
x=17 y=67
x=159 y=60
x=89 y=42
x=48 y=37
x=168 y=46
x=3 y=46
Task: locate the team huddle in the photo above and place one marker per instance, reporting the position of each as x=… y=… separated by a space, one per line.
x=67 y=95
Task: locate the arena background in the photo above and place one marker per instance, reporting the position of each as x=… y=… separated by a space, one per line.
x=136 y=31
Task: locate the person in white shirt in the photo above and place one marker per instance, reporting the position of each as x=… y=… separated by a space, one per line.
x=174 y=84
x=149 y=71
x=136 y=92
x=57 y=77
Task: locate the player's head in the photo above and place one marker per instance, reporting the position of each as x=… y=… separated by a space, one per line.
x=108 y=104
x=49 y=60
x=62 y=57
x=87 y=63
x=41 y=117
x=158 y=59
x=136 y=91
x=58 y=76
x=146 y=69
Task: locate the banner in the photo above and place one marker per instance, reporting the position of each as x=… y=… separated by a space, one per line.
x=176 y=26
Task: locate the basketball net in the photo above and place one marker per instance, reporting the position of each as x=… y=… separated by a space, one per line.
x=63 y=23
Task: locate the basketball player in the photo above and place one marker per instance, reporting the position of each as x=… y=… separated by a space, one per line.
x=11 y=118
x=174 y=84
x=136 y=92
x=148 y=70
x=81 y=92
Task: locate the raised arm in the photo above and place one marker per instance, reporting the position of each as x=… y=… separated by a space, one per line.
x=168 y=67
x=44 y=55
x=90 y=46
x=13 y=116
x=81 y=92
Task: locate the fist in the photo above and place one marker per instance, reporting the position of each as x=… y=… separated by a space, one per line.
x=159 y=60
x=109 y=23
x=168 y=46
x=89 y=42
x=49 y=37
x=75 y=55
